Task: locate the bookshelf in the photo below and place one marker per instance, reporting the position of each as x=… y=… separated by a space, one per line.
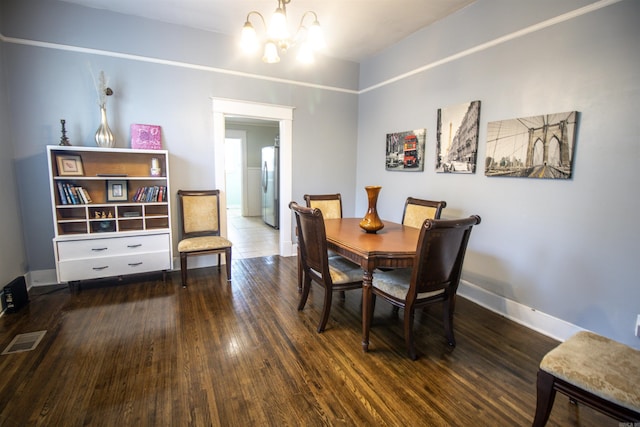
x=111 y=211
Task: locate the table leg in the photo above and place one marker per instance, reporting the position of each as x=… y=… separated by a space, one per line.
x=366 y=318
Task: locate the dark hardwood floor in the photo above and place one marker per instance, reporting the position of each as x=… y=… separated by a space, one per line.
x=141 y=352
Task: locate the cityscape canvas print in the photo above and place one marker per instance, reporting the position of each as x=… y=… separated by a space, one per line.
x=405 y=150
x=457 y=138
x=532 y=147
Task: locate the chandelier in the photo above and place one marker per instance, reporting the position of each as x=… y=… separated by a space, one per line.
x=277 y=38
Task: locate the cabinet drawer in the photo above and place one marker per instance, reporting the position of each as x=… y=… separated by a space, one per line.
x=94 y=268
x=110 y=247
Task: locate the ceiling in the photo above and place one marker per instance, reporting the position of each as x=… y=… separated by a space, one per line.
x=354 y=29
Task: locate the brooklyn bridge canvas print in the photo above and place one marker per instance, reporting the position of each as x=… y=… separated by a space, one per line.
x=532 y=147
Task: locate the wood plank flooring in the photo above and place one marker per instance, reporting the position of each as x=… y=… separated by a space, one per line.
x=143 y=352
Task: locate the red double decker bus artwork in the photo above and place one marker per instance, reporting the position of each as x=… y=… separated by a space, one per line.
x=411 y=151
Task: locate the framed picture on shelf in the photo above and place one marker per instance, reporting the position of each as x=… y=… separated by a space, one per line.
x=69 y=165
x=117 y=191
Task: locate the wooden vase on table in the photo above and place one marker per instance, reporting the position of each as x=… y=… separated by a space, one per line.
x=371 y=221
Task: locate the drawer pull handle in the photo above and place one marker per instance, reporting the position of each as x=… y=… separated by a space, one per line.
x=135 y=264
x=134 y=246
x=99 y=249
x=100 y=268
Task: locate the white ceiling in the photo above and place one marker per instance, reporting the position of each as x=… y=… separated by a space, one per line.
x=354 y=29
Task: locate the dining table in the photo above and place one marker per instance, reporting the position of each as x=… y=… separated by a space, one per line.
x=394 y=246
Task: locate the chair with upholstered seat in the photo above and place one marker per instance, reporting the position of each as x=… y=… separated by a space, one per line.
x=434 y=277
x=417 y=210
x=329 y=204
x=200 y=225
x=333 y=274
x=331 y=207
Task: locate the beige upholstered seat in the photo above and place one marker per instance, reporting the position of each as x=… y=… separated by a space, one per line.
x=434 y=278
x=594 y=370
x=200 y=224
x=333 y=274
x=417 y=210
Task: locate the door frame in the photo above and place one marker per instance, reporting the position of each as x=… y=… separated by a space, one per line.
x=282 y=114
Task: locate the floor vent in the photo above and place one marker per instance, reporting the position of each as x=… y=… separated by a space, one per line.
x=24 y=342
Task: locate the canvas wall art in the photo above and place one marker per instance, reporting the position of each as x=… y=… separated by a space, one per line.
x=457 y=138
x=532 y=147
x=405 y=150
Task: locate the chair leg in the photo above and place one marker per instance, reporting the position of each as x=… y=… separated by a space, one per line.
x=183 y=268
x=300 y=272
x=227 y=258
x=448 y=309
x=546 y=394
x=409 y=314
x=305 y=292
x=219 y=260
x=328 y=295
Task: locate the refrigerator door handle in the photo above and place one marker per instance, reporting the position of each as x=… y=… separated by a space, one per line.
x=264 y=177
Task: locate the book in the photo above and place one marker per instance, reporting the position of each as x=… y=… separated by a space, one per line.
x=146 y=137
x=63 y=196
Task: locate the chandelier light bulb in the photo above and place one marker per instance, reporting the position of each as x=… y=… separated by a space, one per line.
x=271 y=53
x=315 y=36
x=249 y=38
x=278 y=25
x=305 y=54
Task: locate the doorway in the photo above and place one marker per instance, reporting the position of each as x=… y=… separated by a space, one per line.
x=251 y=237
x=223 y=108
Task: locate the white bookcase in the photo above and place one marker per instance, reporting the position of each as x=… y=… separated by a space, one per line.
x=115 y=233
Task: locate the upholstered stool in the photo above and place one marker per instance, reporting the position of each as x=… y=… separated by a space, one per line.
x=592 y=370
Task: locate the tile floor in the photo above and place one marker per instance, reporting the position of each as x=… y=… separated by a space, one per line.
x=250 y=236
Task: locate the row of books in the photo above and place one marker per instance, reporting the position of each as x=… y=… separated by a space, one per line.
x=156 y=193
x=73 y=195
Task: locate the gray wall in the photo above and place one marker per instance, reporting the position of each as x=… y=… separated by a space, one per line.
x=13 y=260
x=567 y=248
x=49 y=82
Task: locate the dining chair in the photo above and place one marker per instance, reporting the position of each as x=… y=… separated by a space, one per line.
x=434 y=277
x=331 y=207
x=417 y=210
x=329 y=204
x=333 y=274
x=200 y=226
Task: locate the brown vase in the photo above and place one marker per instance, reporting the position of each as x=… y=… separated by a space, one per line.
x=371 y=221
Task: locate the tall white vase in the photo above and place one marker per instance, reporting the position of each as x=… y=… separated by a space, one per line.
x=104 y=136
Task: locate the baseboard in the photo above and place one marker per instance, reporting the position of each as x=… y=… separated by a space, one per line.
x=519 y=313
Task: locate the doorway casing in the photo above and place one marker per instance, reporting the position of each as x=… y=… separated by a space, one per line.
x=284 y=116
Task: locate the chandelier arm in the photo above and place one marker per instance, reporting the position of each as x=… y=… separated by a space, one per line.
x=253 y=12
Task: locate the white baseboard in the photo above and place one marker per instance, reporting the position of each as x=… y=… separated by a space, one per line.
x=519 y=313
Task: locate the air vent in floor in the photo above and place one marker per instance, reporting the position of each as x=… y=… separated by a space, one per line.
x=24 y=342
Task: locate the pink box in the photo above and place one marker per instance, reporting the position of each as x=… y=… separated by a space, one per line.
x=146 y=137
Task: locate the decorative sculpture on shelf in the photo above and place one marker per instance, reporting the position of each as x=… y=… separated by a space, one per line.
x=64 y=140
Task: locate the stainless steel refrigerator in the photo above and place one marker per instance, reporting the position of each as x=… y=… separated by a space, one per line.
x=270 y=185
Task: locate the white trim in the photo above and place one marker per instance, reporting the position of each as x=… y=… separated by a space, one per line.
x=484 y=46
x=283 y=114
x=519 y=313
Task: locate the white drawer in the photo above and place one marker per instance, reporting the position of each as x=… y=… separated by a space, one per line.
x=82 y=269
x=113 y=246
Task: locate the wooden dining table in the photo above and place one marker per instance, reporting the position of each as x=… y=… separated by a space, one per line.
x=394 y=246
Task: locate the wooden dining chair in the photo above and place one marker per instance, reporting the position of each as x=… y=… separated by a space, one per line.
x=333 y=274
x=331 y=207
x=417 y=210
x=434 y=277
x=200 y=226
